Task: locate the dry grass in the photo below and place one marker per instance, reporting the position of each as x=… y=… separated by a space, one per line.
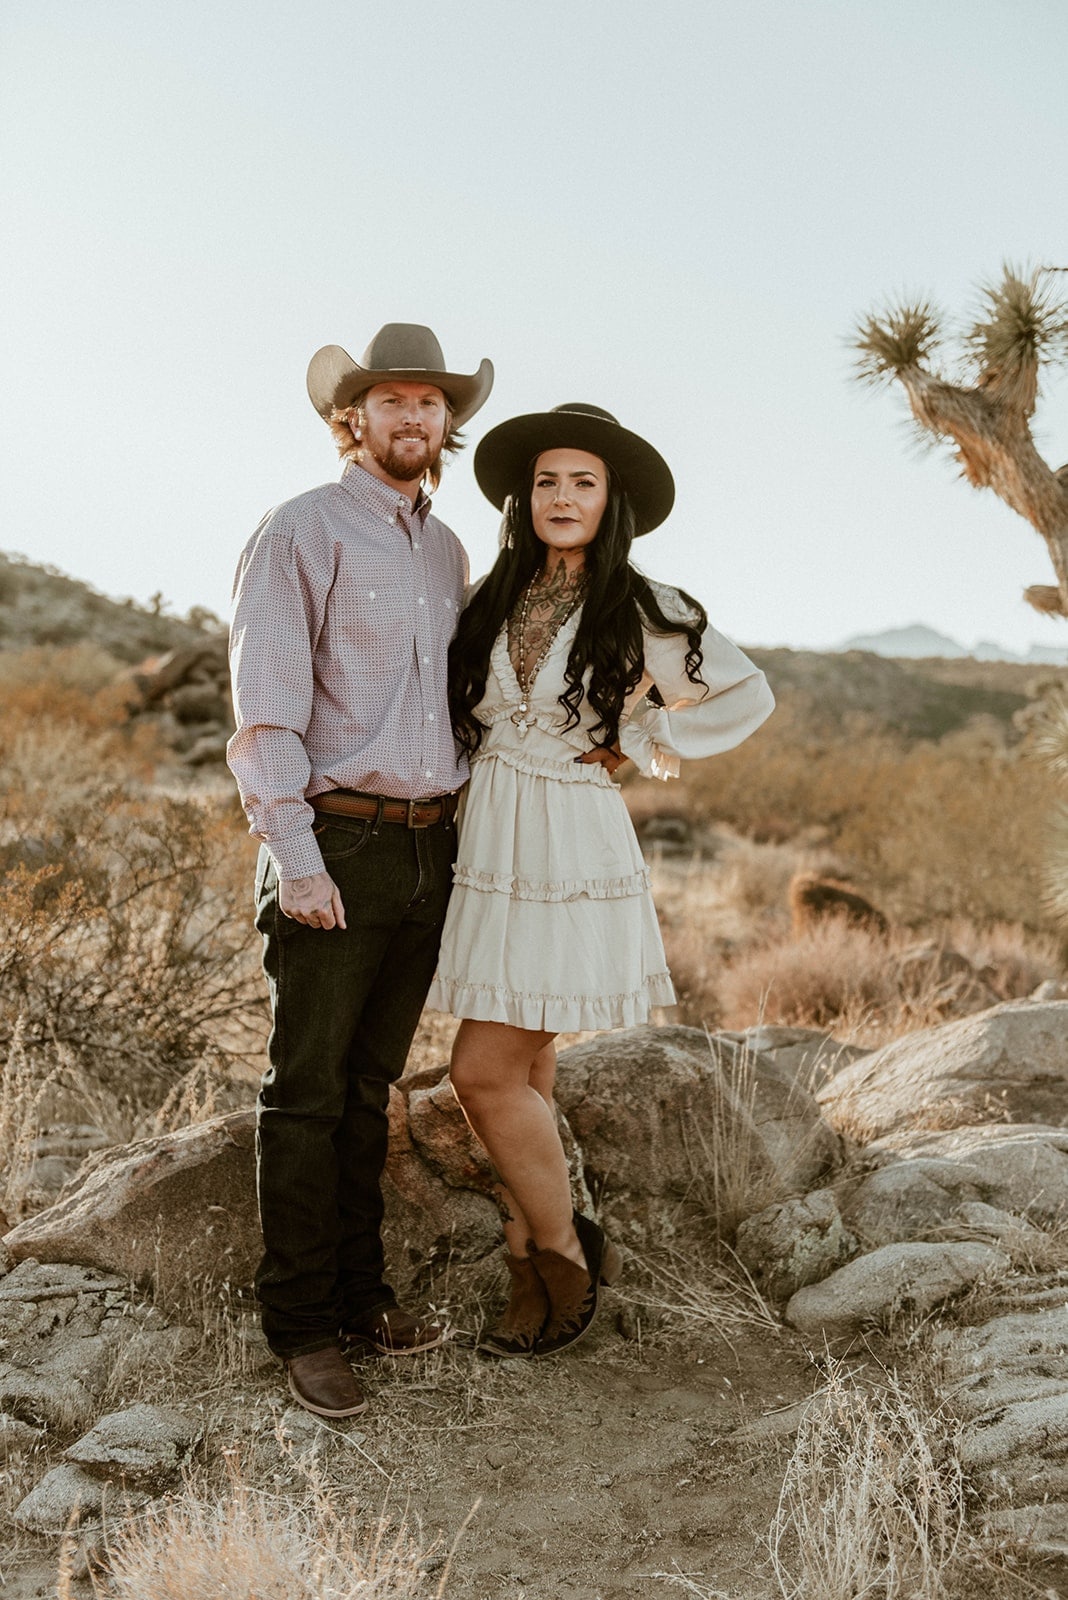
x=714 y=1293
x=253 y=1545
x=873 y=1502
x=126 y=957
x=736 y=963
x=926 y=830
x=832 y=976
x=732 y=1176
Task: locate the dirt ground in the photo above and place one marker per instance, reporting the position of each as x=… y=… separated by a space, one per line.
x=603 y=1473
x=645 y=1462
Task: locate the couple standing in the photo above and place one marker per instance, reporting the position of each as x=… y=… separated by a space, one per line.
x=366 y=694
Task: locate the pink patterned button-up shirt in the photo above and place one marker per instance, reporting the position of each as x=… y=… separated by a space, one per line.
x=345 y=602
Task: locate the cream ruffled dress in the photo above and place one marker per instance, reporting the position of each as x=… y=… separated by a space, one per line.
x=551 y=923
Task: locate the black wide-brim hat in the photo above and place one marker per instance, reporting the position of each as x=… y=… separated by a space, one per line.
x=405 y=351
x=506 y=452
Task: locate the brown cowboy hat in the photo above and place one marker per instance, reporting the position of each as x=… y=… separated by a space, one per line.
x=402 y=350
x=508 y=449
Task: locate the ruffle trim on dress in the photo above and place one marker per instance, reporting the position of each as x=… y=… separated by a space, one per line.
x=517 y=888
x=566 y=771
x=555 y=1013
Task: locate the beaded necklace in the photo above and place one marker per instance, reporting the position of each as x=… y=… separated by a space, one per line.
x=521 y=715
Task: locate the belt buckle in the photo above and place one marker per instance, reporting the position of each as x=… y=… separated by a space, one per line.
x=409 y=821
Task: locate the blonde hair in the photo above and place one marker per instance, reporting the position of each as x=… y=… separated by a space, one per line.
x=341 y=418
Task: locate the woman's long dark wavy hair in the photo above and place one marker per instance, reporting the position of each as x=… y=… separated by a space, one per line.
x=608 y=643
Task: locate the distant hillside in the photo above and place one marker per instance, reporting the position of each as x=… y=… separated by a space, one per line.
x=917 y=699
x=827 y=693
x=921 y=642
x=40 y=606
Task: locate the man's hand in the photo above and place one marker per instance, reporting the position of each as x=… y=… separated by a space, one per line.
x=315 y=901
x=609 y=756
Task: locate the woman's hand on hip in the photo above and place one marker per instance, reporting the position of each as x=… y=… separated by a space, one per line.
x=609 y=756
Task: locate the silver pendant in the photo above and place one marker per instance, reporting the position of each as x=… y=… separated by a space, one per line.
x=521 y=720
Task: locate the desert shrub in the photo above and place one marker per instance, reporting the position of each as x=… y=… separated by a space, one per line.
x=126 y=957
x=1013 y=959
x=833 y=976
x=928 y=830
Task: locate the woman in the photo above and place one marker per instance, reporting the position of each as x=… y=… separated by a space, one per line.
x=566 y=663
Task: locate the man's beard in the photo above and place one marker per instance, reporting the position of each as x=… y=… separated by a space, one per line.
x=405 y=466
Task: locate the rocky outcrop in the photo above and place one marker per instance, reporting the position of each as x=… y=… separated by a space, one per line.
x=1022 y=1169
x=811 y=1055
x=650 y=1106
x=1008 y=1382
x=1007 y=1063
x=187 y=694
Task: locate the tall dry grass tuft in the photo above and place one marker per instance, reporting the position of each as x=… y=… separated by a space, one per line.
x=251 y=1545
x=873 y=1502
x=732 y=1176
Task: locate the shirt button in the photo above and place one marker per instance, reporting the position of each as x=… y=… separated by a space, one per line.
x=422 y=602
x=428 y=773
x=430 y=716
x=426 y=661
x=415 y=544
x=370 y=594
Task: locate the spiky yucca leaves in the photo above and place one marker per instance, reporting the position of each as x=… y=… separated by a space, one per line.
x=905 y=335
x=1022 y=324
x=1021 y=318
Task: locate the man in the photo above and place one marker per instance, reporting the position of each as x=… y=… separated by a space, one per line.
x=345 y=602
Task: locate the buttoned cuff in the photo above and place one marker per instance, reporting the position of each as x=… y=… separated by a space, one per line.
x=296 y=857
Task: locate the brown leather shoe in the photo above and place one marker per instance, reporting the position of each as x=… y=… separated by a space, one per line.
x=524 y=1316
x=392 y=1331
x=323 y=1382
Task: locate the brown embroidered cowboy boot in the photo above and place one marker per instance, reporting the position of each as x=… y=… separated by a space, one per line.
x=573 y=1290
x=523 y=1317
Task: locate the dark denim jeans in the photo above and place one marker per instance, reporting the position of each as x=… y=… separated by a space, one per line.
x=345 y=1006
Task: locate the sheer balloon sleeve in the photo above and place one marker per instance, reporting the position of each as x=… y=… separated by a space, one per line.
x=696 y=719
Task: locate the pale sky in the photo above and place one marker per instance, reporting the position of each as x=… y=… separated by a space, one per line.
x=676 y=211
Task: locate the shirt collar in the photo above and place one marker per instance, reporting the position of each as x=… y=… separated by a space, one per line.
x=379 y=498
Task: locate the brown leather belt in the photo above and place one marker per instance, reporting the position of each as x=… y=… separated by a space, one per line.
x=383 y=808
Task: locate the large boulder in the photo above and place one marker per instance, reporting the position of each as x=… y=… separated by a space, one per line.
x=661 y=1113
x=178 y=1207
x=1008 y=1063
x=1019 y=1168
x=181 y=1208
x=899 y=1279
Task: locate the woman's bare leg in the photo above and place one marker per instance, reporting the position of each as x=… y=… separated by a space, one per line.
x=493 y=1071
x=542 y=1077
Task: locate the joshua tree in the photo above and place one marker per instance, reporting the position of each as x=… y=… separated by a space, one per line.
x=1022 y=325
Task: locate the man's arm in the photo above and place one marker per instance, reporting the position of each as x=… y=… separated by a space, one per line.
x=279 y=598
